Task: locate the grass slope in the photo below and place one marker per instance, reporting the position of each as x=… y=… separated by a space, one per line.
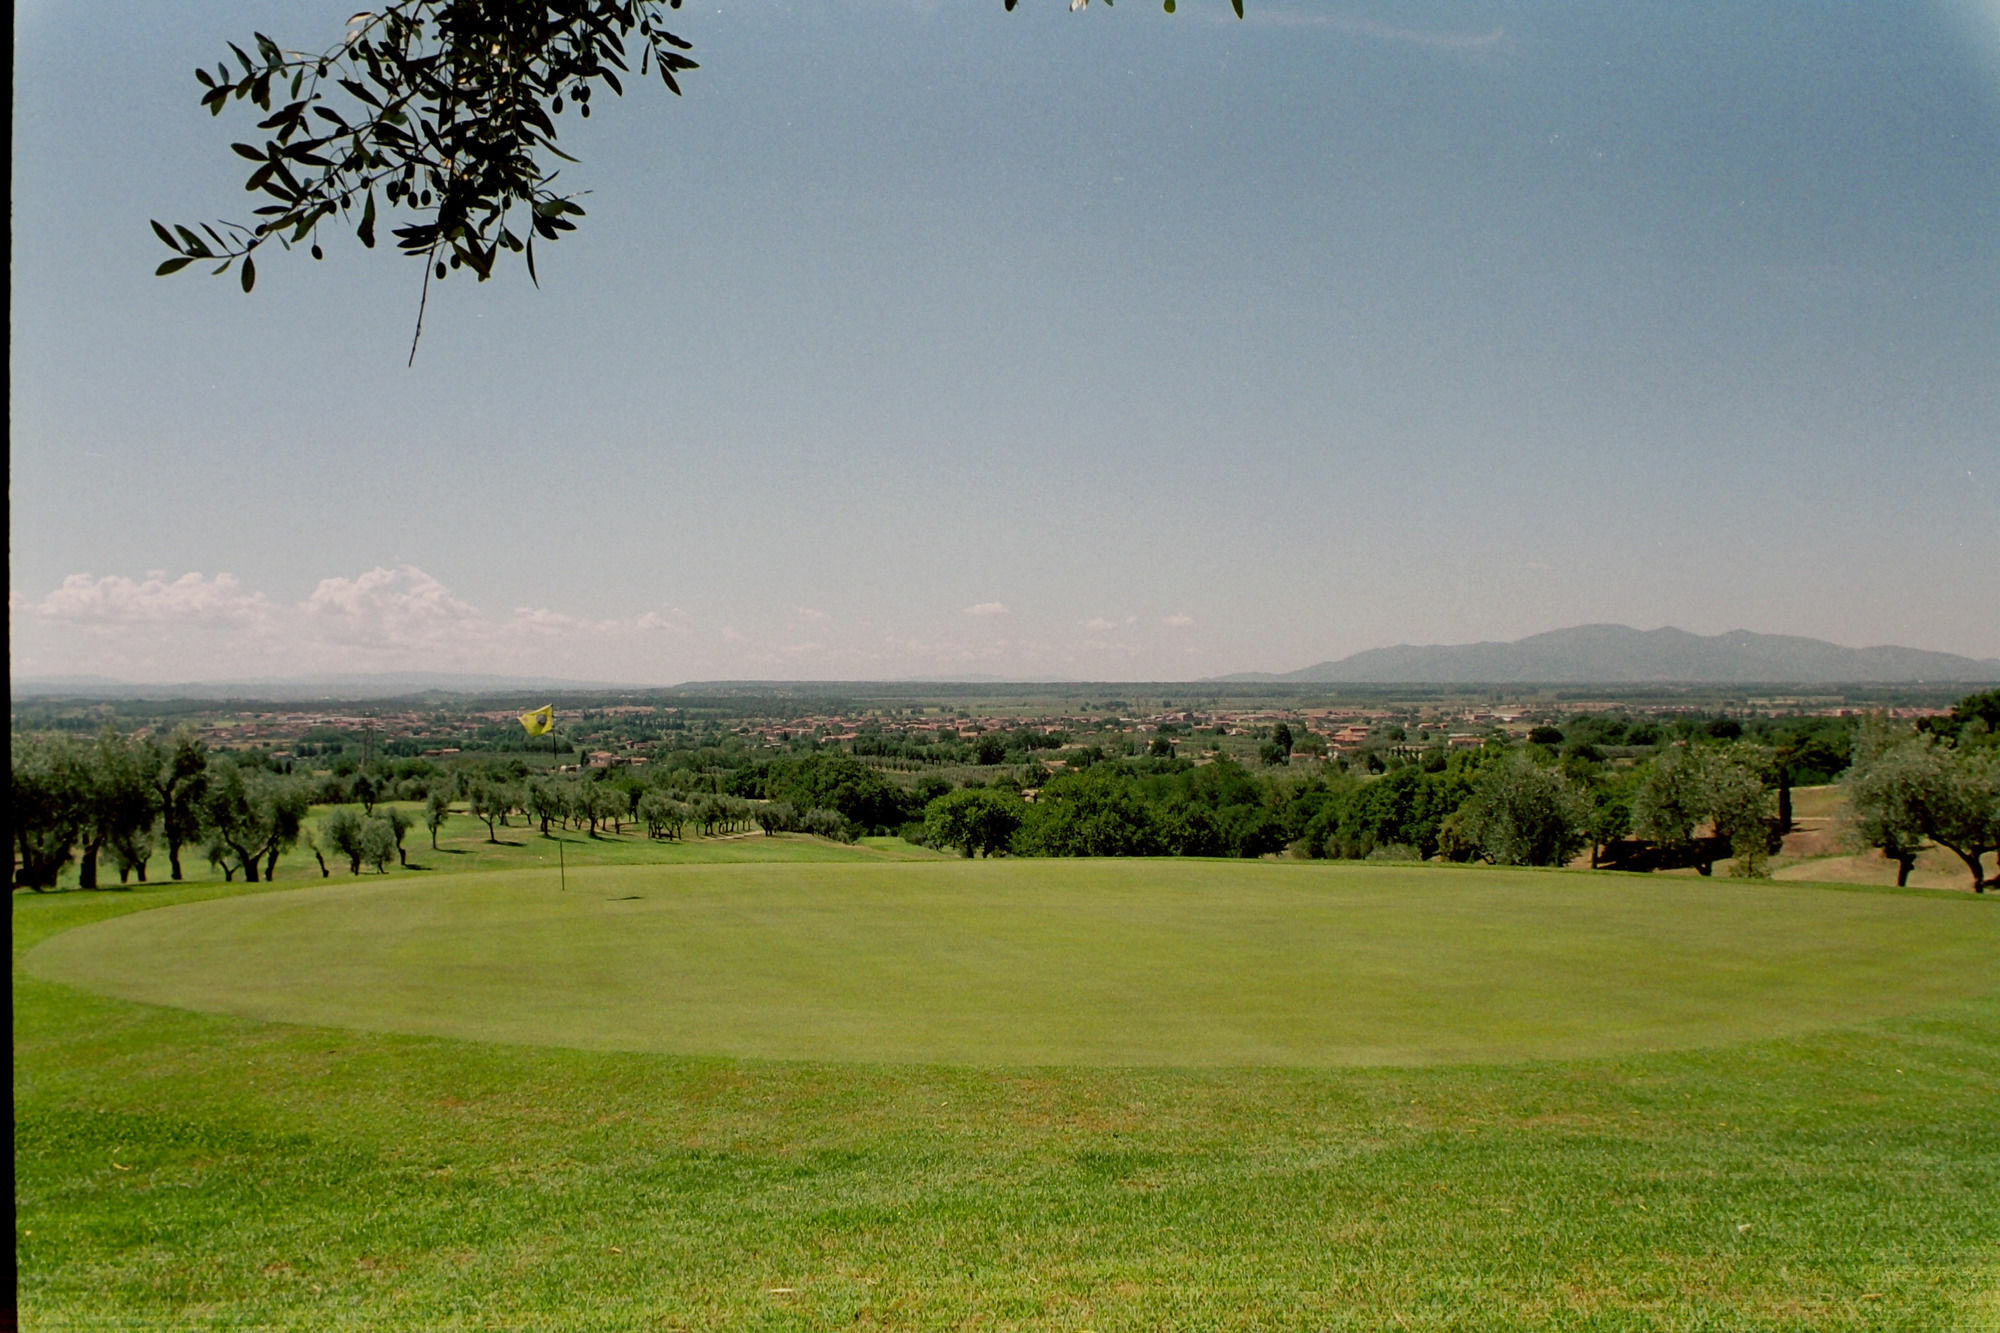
x=1040 y=962
x=185 y=1170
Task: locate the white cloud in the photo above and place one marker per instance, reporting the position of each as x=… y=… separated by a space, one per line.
x=1179 y=620
x=672 y=619
x=166 y=628
x=543 y=622
x=392 y=612
x=114 y=601
x=161 y=628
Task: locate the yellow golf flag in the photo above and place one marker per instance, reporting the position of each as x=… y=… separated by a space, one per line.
x=539 y=721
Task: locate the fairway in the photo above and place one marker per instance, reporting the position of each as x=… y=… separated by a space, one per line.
x=1016 y=962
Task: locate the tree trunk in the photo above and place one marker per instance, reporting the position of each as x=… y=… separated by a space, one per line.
x=170 y=828
x=86 y=866
x=271 y=866
x=1972 y=861
x=324 y=873
x=1904 y=864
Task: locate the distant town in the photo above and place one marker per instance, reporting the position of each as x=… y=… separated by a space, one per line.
x=611 y=730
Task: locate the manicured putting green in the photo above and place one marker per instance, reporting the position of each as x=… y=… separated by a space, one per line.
x=1055 y=962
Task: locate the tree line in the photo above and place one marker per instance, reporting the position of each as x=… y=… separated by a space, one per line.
x=121 y=799
x=1708 y=796
x=1707 y=793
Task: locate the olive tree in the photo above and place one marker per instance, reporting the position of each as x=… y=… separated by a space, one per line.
x=1919 y=787
x=442 y=111
x=378 y=843
x=399 y=822
x=1883 y=807
x=1742 y=808
x=606 y=806
x=546 y=801
x=365 y=790
x=48 y=805
x=338 y=833
x=179 y=771
x=130 y=848
x=489 y=802
x=1961 y=804
x=821 y=822
x=437 y=809
x=1688 y=787
x=122 y=806
x=250 y=818
x=663 y=816
x=1672 y=800
x=1522 y=813
x=776 y=817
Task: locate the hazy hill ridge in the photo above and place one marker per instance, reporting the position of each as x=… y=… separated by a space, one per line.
x=1615 y=654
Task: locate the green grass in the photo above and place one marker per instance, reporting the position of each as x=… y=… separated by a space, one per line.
x=187 y=1170
x=525 y=849
x=1043 y=962
x=464 y=845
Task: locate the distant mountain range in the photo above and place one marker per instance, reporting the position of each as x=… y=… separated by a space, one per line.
x=1582 y=655
x=1619 y=654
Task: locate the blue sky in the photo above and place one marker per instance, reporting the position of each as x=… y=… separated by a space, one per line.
x=925 y=338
